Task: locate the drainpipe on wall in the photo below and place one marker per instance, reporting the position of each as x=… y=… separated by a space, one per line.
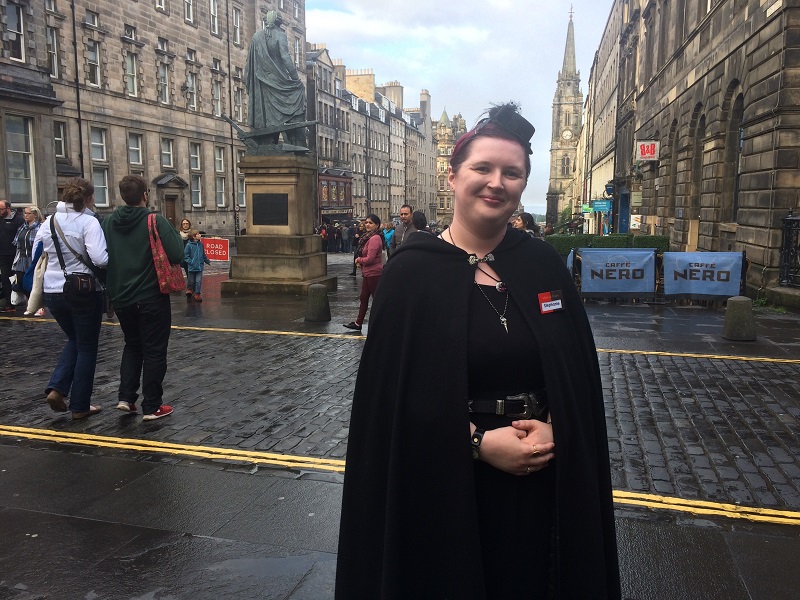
x=77 y=85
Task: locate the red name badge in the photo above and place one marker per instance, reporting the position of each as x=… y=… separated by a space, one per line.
x=550 y=302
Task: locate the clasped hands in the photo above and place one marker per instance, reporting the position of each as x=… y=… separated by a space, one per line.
x=521 y=449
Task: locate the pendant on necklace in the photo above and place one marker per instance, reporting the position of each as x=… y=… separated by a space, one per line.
x=500 y=286
x=504 y=321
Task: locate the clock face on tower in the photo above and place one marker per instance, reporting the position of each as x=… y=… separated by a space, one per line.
x=567 y=135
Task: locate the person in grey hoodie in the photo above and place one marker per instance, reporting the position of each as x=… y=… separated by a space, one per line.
x=144 y=313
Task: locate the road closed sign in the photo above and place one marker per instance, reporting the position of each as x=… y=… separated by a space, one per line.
x=216 y=248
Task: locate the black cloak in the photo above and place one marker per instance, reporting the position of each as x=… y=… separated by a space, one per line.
x=409 y=515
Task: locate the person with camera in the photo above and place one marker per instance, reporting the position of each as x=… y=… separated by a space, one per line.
x=76 y=249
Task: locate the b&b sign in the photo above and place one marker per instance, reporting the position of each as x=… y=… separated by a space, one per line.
x=216 y=248
x=647 y=150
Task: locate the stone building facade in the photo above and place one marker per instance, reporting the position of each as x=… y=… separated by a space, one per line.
x=711 y=86
x=447 y=133
x=147 y=93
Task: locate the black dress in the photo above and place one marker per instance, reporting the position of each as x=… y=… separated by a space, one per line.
x=515 y=512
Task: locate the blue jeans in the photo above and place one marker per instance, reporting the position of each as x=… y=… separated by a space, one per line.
x=194 y=280
x=76 y=365
x=146 y=327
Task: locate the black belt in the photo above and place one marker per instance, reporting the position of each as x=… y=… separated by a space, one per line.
x=521 y=406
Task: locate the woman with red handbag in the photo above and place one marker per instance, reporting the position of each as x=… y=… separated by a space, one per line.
x=144 y=256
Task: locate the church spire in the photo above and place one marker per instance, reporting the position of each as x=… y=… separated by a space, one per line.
x=569 y=69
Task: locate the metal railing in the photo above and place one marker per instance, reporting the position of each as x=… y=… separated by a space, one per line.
x=790 y=252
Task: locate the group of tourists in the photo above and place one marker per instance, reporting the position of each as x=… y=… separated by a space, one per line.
x=81 y=266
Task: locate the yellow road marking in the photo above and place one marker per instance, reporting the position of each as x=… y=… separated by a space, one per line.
x=791 y=361
x=284 y=460
x=697 y=507
x=350 y=336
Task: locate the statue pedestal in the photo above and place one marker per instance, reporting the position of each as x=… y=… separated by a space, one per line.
x=280 y=253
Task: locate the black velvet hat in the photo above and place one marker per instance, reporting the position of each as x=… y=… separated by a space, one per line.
x=507 y=117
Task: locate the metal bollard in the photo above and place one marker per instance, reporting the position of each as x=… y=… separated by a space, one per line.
x=318 y=309
x=740 y=324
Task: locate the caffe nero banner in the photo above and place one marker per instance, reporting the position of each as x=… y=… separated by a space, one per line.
x=616 y=271
x=702 y=274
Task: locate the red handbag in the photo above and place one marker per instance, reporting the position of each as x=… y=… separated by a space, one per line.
x=170 y=277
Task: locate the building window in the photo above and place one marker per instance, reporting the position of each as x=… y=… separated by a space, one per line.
x=191 y=91
x=50 y=5
x=213 y=10
x=280 y=4
x=97 y=142
x=100 y=181
x=60 y=139
x=565 y=164
x=197 y=192
x=15 y=32
x=194 y=156
x=216 y=64
x=162 y=44
x=216 y=93
x=131 y=87
x=188 y=10
x=297 y=52
x=166 y=153
x=135 y=148
x=219 y=190
x=219 y=159
x=93 y=62
x=92 y=18
x=237 y=26
x=237 y=104
x=161 y=4
x=19 y=158
x=163 y=83
x=191 y=54
x=297 y=9
x=130 y=32
x=52 y=52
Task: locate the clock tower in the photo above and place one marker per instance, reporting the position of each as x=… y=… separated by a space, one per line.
x=567 y=123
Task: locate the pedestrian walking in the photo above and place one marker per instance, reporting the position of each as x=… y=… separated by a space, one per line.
x=23 y=242
x=10 y=222
x=74 y=243
x=194 y=254
x=370 y=261
x=144 y=312
x=482 y=472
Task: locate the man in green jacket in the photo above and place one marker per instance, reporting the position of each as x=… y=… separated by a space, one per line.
x=144 y=312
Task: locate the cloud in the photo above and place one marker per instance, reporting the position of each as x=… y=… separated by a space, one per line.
x=468 y=54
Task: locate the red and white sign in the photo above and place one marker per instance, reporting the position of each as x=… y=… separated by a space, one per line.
x=216 y=248
x=647 y=150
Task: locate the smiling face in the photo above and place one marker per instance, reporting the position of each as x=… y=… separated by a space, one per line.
x=489 y=183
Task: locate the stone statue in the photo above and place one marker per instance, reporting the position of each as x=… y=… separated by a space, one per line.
x=276 y=96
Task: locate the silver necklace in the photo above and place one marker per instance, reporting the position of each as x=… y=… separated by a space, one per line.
x=503 y=320
x=472 y=258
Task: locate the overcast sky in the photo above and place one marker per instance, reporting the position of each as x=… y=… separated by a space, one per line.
x=468 y=54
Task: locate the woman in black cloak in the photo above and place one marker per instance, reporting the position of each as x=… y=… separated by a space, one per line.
x=477 y=462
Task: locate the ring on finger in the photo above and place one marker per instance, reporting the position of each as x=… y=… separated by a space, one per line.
x=535 y=450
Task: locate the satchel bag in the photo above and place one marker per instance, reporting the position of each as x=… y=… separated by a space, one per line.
x=79 y=288
x=170 y=277
x=36 y=296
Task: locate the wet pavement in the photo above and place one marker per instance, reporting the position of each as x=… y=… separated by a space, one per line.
x=113 y=507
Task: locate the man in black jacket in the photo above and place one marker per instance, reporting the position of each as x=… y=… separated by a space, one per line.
x=10 y=222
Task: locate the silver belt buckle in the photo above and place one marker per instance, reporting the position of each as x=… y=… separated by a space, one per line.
x=527 y=404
